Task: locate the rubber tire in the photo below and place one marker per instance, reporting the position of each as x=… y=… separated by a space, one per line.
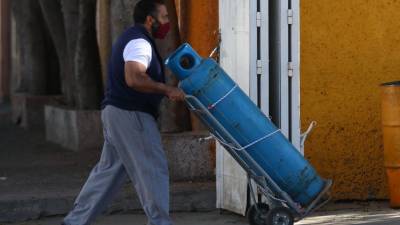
x=275 y=215
x=256 y=217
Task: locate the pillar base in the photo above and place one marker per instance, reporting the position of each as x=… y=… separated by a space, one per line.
x=28 y=110
x=393 y=175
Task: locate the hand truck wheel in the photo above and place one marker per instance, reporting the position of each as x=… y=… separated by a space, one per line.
x=280 y=216
x=257 y=214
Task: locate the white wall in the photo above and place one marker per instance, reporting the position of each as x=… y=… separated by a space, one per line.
x=235 y=59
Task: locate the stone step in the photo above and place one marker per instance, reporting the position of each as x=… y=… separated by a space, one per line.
x=185 y=197
x=78 y=130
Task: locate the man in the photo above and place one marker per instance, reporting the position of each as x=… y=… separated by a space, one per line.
x=132 y=147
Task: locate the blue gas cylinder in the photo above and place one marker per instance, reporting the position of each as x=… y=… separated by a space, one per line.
x=206 y=80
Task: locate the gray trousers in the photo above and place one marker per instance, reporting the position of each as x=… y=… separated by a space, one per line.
x=132 y=149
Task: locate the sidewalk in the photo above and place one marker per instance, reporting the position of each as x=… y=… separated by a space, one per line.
x=334 y=214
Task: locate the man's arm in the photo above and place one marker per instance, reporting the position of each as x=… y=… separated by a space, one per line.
x=137 y=78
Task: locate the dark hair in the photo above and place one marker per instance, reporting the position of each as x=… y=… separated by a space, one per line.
x=146 y=8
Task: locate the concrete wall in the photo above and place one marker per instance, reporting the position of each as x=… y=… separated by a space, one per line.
x=73 y=129
x=4 y=50
x=28 y=110
x=347 y=49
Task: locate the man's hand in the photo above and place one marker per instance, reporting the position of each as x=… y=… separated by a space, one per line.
x=175 y=94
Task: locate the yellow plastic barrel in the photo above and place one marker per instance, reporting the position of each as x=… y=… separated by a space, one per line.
x=391 y=138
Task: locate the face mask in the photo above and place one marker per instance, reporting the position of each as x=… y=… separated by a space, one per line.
x=160 y=30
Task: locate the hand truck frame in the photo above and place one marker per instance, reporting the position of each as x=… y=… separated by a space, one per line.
x=281 y=208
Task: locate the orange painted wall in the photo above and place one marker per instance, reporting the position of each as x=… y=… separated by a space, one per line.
x=199 y=24
x=348 y=47
x=199 y=27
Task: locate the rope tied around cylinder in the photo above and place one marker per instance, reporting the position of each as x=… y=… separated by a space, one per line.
x=248 y=145
x=211 y=106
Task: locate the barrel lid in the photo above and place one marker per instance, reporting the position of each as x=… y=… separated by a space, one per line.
x=393 y=83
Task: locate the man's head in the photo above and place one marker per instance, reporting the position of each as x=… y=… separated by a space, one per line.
x=153 y=15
